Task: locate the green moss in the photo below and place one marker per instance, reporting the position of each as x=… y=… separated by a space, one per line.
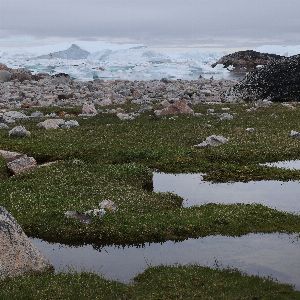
x=167 y=144
x=190 y=282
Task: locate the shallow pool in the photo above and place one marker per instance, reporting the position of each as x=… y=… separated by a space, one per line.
x=274 y=255
x=284 y=196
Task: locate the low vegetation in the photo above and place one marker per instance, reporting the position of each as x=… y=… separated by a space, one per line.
x=106 y=158
x=191 y=282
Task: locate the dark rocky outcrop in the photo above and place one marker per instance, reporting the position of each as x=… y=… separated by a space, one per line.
x=278 y=81
x=17 y=254
x=74 y=52
x=246 y=60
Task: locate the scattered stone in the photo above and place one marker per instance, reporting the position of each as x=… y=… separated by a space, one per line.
x=105 y=102
x=177 y=108
x=108 y=205
x=4 y=126
x=295 y=134
x=126 y=117
x=70 y=124
x=15 y=115
x=89 y=110
x=225 y=108
x=62 y=91
x=198 y=114
x=287 y=105
x=213 y=141
x=18 y=255
x=51 y=115
x=51 y=124
x=21 y=165
x=19 y=131
x=226 y=117
x=165 y=103
x=250 y=130
x=210 y=111
x=263 y=103
x=96 y=213
x=37 y=114
x=85 y=219
x=251 y=109
x=10 y=156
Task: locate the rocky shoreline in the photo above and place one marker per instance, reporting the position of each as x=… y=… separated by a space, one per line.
x=61 y=90
x=277 y=80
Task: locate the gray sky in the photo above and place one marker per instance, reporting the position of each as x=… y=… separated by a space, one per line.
x=259 y=21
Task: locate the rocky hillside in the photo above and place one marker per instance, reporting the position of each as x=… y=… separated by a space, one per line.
x=246 y=60
x=278 y=81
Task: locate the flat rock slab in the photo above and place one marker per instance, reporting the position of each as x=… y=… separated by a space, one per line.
x=17 y=254
x=9 y=155
x=21 y=165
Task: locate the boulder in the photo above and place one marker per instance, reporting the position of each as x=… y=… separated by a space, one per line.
x=295 y=134
x=19 y=131
x=16 y=115
x=177 y=108
x=105 y=102
x=9 y=155
x=51 y=124
x=3 y=126
x=70 y=124
x=126 y=117
x=18 y=255
x=226 y=117
x=21 y=165
x=108 y=205
x=81 y=217
x=213 y=141
x=5 y=76
x=89 y=110
x=278 y=81
x=95 y=213
x=250 y=130
x=37 y=114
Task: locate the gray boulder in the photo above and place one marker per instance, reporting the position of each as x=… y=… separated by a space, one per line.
x=89 y=110
x=51 y=124
x=15 y=115
x=295 y=134
x=19 y=131
x=226 y=117
x=18 y=255
x=37 y=114
x=70 y=124
x=21 y=165
x=5 y=76
x=213 y=141
x=9 y=155
x=3 y=126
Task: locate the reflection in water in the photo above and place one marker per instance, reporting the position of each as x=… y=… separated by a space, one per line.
x=284 y=196
x=288 y=164
x=275 y=255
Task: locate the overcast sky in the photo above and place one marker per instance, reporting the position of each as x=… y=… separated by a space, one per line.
x=273 y=21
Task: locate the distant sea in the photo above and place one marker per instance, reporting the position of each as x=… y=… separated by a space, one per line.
x=126 y=61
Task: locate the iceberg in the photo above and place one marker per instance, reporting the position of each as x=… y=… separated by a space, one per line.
x=74 y=53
